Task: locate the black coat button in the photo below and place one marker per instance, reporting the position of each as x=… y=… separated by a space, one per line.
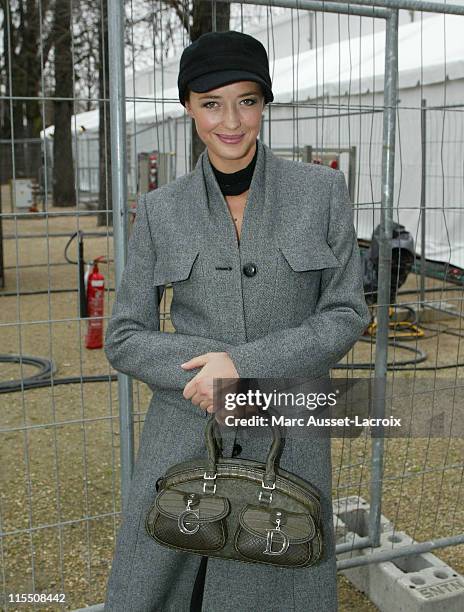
x=236 y=450
x=249 y=269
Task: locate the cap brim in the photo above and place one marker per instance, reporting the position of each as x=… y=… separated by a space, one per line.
x=214 y=80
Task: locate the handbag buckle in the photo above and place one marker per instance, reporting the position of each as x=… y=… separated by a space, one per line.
x=266 y=486
x=182 y=523
x=209 y=487
x=270 y=538
x=264 y=495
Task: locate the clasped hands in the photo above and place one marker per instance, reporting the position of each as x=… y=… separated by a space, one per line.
x=199 y=390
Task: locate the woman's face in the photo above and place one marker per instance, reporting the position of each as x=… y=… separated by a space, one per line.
x=228 y=121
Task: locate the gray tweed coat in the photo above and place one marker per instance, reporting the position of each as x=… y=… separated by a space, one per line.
x=298 y=315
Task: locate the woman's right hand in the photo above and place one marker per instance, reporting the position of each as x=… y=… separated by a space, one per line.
x=200 y=390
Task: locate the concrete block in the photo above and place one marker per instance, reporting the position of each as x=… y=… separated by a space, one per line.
x=353 y=512
x=413 y=583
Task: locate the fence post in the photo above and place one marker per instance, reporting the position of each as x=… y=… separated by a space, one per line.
x=423 y=265
x=385 y=238
x=117 y=94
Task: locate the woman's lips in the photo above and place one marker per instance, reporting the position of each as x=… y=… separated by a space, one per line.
x=230 y=139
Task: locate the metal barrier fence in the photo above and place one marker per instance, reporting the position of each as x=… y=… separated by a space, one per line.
x=69 y=434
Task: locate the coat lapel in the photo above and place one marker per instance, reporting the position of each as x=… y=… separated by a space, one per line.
x=217 y=205
x=244 y=304
x=240 y=307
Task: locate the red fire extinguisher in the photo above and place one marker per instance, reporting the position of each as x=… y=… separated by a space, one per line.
x=95 y=307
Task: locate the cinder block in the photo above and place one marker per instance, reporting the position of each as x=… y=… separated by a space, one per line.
x=353 y=512
x=431 y=589
x=413 y=583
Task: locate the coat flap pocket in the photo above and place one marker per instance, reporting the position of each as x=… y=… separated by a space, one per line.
x=172 y=503
x=259 y=520
x=174 y=267
x=310 y=256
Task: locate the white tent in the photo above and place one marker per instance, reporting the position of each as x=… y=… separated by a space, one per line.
x=355 y=64
x=343 y=84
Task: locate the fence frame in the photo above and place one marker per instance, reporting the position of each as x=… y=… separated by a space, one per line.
x=389 y=12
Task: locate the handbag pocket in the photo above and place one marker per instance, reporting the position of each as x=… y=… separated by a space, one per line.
x=189 y=521
x=288 y=539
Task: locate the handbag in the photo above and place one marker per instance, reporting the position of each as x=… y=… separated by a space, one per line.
x=238 y=509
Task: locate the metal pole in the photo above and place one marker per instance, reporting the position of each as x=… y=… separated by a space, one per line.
x=422 y=200
x=366 y=8
x=352 y=173
x=385 y=238
x=413 y=5
x=313 y=5
x=120 y=218
x=2 y=267
x=396 y=552
x=213 y=16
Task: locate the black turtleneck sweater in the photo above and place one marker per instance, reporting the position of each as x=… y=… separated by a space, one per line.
x=236 y=183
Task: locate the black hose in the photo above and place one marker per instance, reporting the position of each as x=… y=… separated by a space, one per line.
x=43 y=376
x=70 y=290
x=46 y=368
x=81 y=234
x=422 y=356
x=71 y=380
x=81 y=277
x=400 y=365
x=80 y=262
x=429 y=290
x=42 y=292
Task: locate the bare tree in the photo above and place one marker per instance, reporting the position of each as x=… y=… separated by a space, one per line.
x=202 y=23
x=64 y=193
x=104 y=140
x=26 y=46
x=85 y=31
x=195 y=17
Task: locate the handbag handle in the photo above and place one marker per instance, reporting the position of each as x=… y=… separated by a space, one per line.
x=271 y=461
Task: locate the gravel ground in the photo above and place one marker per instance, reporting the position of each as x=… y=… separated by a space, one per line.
x=57 y=475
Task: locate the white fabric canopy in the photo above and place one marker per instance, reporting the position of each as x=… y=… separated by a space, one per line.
x=356 y=64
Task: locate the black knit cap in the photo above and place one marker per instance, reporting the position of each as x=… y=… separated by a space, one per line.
x=219 y=58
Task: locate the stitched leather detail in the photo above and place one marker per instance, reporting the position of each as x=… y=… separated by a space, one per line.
x=298 y=527
x=207 y=524
x=251 y=537
x=233 y=521
x=171 y=503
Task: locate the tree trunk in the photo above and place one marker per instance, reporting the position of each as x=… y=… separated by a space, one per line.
x=64 y=193
x=105 y=201
x=26 y=73
x=23 y=50
x=202 y=23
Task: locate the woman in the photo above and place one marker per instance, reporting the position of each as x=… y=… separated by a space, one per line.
x=262 y=256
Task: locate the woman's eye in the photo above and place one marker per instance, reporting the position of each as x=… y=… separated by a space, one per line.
x=249 y=102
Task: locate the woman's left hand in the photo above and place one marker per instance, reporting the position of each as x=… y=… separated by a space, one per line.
x=213 y=365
